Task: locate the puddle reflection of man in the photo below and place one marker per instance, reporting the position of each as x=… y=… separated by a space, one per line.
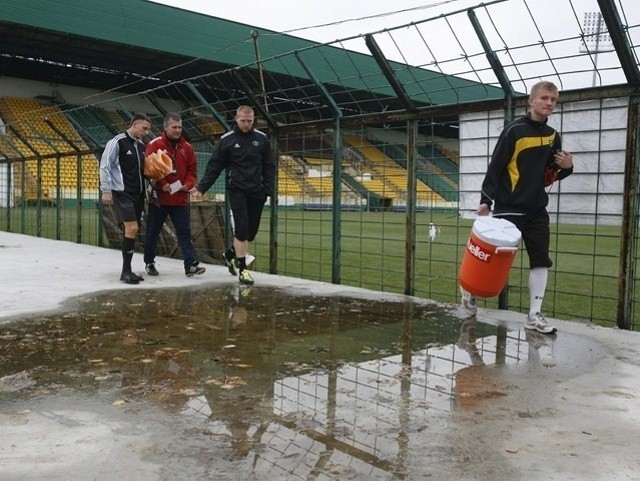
x=238 y=314
x=469 y=381
x=467 y=341
x=541 y=348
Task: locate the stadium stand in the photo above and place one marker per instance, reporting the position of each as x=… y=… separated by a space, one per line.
x=90 y=124
x=388 y=179
x=375 y=171
x=207 y=125
x=323 y=186
x=44 y=131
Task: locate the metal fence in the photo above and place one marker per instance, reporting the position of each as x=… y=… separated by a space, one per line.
x=373 y=196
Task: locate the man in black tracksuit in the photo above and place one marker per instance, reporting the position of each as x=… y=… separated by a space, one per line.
x=527 y=153
x=246 y=154
x=122 y=184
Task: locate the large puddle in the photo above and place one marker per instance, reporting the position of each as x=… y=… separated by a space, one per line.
x=278 y=384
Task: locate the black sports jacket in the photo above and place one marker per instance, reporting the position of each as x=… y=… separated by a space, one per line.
x=248 y=160
x=122 y=165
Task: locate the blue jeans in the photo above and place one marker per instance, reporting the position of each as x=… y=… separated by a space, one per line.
x=181 y=218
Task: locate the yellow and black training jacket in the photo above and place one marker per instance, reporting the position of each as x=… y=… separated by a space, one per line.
x=514 y=183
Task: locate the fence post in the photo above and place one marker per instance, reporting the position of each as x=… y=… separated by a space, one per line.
x=410 y=219
x=629 y=227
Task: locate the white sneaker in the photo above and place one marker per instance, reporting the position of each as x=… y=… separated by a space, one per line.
x=468 y=302
x=538 y=323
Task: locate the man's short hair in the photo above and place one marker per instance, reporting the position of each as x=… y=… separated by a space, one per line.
x=169 y=116
x=137 y=117
x=246 y=109
x=542 y=85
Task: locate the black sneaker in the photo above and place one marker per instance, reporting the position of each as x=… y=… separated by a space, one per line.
x=231 y=262
x=245 y=277
x=194 y=269
x=131 y=278
x=151 y=269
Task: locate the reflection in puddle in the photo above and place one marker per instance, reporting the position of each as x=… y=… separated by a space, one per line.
x=298 y=385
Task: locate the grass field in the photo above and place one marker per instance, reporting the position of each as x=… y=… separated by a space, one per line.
x=583 y=284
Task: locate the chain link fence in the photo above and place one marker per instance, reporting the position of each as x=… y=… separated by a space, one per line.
x=380 y=156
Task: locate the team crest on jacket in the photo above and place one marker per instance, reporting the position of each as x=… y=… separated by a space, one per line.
x=255 y=143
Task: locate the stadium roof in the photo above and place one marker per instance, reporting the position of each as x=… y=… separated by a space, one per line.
x=136 y=45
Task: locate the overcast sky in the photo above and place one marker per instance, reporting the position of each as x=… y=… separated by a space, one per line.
x=532 y=29
x=286 y=15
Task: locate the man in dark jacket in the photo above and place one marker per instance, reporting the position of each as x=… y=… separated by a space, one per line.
x=172 y=196
x=527 y=153
x=122 y=184
x=246 y=154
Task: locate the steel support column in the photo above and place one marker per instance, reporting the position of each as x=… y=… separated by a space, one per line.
x=337 y=173
x=388 y=72
x=273 y=125
x=218 y=116
x=498 y=70
x=273 y=211
x=410 y=218
x=495 y=63
x=629 y=227
x=620 y=40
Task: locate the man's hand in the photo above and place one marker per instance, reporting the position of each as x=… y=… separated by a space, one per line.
x=106 y=198
x=196 y=193
x=483 y=209
x=563 y=159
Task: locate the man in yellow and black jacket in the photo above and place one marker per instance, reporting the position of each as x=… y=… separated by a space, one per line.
x=527 y=157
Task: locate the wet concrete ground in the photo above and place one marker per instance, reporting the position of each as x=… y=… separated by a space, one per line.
x=202 y=379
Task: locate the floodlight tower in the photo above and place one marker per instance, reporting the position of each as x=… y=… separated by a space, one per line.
x=596 y=38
